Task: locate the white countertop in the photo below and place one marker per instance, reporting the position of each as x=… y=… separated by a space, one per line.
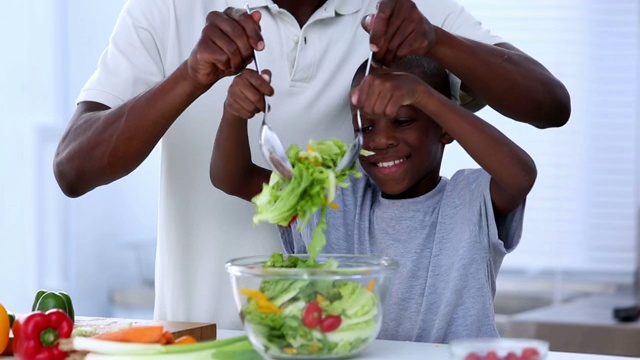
x=385 y=350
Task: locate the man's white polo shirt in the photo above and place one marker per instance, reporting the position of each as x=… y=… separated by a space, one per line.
x=200 y=228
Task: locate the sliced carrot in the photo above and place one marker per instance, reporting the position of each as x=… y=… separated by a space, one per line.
x=186 y=339
x=167 y=338
x=136 y=334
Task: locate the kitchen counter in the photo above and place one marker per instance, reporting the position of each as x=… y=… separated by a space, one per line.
x=385 y=350
x=400 y=350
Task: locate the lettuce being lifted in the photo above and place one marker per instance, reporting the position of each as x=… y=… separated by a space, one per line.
x=312 y=188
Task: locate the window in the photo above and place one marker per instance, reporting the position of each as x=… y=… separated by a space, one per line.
x=581 y=216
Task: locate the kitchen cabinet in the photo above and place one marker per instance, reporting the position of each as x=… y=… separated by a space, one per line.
x=581 y=325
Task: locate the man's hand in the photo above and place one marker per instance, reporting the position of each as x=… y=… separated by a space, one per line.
x=246 y=94
x=225 y=46
x=398 y=29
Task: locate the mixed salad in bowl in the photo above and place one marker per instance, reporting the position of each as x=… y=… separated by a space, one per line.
x=299 y=307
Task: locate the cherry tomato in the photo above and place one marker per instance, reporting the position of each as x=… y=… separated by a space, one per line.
x=530 y=354
x=492 y=355
x=473 y=356
x=312 y=315
x=513 y=356
x=330 y=323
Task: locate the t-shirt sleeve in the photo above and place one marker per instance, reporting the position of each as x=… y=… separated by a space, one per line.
x=504 y=231
x=133 y=61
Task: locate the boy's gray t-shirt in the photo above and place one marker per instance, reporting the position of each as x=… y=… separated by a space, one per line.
x=449 y=246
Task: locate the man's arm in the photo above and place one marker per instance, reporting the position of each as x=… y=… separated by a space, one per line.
x=101 y=145
x=502 y=76
x=506 y=78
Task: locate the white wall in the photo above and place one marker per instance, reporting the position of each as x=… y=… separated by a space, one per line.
x=84 y=246
x=27 y=88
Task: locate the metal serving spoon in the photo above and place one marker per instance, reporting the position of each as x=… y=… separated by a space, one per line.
x=270 y=144
x=354 y=151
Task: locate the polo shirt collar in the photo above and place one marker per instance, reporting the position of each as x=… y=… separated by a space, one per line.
x=342 y=7
x=252 y=3
x=346 y=7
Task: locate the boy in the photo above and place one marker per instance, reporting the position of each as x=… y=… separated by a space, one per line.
x=450 y=236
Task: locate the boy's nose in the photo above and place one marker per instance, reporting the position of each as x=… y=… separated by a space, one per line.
x=381 y=140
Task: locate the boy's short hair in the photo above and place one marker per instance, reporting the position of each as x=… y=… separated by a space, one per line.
x=424 y=68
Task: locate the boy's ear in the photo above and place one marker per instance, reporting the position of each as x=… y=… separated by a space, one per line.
x=445 y=138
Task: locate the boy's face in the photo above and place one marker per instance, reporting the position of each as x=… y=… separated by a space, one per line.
x=408 y=151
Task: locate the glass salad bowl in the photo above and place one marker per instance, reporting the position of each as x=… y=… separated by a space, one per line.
x=499 y=349
x=294 y=308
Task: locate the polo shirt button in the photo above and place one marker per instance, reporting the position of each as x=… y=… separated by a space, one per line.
x=296 y=39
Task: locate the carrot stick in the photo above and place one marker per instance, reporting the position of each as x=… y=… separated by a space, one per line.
x=135 y=334
x=167 y=338
x=186 y=339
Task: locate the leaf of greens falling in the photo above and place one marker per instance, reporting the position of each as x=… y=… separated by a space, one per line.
x=312 y=189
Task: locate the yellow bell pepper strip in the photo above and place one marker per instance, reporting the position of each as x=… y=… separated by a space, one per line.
x=38 y=334
x=371 y=285
x=4 y=328
x=264 y=305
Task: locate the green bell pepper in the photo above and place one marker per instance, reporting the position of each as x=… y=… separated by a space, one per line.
x=46 y=300
x=12 y=318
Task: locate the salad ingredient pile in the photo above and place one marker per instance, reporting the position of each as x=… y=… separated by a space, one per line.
x=311 y=317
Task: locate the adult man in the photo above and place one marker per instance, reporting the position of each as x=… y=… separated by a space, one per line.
x=152 y=83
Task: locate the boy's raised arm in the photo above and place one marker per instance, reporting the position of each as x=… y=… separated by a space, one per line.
x=513 y=172
x=231 y=169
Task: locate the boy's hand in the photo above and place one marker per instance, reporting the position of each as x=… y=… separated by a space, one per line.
x=245 y=97
x=225 y=46
x=398 y=29
x=383 y=93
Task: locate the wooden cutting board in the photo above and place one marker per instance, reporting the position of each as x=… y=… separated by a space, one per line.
x=200 y=331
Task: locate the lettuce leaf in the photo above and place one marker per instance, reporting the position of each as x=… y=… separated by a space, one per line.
x=312 y=189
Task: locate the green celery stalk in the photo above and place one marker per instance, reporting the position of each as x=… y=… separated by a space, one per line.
x=102 y=349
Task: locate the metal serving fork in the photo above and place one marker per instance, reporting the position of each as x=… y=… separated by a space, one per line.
x=352 y=153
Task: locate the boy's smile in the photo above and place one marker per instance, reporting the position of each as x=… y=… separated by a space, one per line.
x=407 y=152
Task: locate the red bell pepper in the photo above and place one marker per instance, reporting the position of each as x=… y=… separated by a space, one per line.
x=38 y=333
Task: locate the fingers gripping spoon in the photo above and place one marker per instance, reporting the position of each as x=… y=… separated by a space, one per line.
x=270 y=144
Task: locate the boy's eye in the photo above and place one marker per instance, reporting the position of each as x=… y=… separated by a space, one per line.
x=404 y=122
x=365 y=129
